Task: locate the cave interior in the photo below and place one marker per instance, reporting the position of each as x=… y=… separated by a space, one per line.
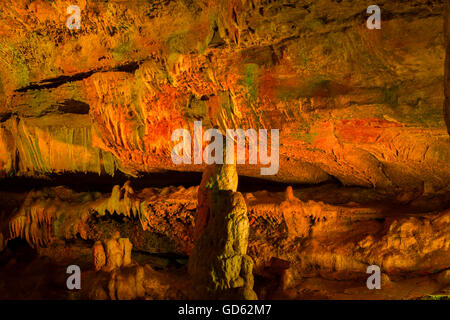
x=115 y=180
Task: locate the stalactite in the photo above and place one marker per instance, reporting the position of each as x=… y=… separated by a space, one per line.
x=40 y=221
x=34 y=221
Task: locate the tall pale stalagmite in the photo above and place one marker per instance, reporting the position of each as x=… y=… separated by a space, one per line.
x=219 y=265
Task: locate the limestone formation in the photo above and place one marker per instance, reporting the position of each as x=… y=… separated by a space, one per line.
x=114 y=254
x=99 y=256
x=126 y=247
x=289 y=194
x=86 y=124
x=118 y=253
x=218 y=264
x=127 y=283
x=444 y=277
x=447 y=67
x=353 y=104
x=125 y=278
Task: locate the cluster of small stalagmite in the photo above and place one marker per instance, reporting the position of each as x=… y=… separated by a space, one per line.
x=115 y=253
x=126 y=278
x=327 y=232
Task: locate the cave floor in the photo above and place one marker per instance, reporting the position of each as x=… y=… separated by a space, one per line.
x=335 y=233
x=27 y=276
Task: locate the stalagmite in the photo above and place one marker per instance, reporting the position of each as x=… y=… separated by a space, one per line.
x=114 y=253
x=118 y=253
x=126 y=246
x=98 y=254
x=289 y=194
x=127 y=283
x=218 y=264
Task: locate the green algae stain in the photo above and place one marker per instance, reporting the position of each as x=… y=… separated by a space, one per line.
x=436 y=297
x=58 y=225
x=390 y=96
x=16 y=64
x=122 y=51
x=304 y=132
x=307 y=137
x=251 y=79
x=318 y=85
x=177 y=43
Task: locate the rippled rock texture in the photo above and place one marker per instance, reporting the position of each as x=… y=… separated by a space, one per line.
x=363 y=118
x=362 y=106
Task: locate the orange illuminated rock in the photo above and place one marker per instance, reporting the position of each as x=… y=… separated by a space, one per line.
x=364 y=118
x=447 y=67
x=127 y=283
x=114 y=255
x=118 y=252
x=358 y=105
x=99 y=257
x=218 y=264
x=126 y=246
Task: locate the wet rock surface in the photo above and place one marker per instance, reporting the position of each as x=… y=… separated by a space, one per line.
x=218 y=264
x=301 y=246
x=87 y=179
x=358 y=105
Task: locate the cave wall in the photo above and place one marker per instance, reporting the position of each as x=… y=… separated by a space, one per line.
x=363 y=106
x=334 y=239
x=447 y=68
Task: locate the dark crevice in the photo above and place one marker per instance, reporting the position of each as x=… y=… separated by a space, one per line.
x=20 y=249
x=5 y=116
x=74 y=106
x=52 y=83
x=216 y=40
x=56 y=82
x=129 y=67
x=92 y=182
x=251 y=184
